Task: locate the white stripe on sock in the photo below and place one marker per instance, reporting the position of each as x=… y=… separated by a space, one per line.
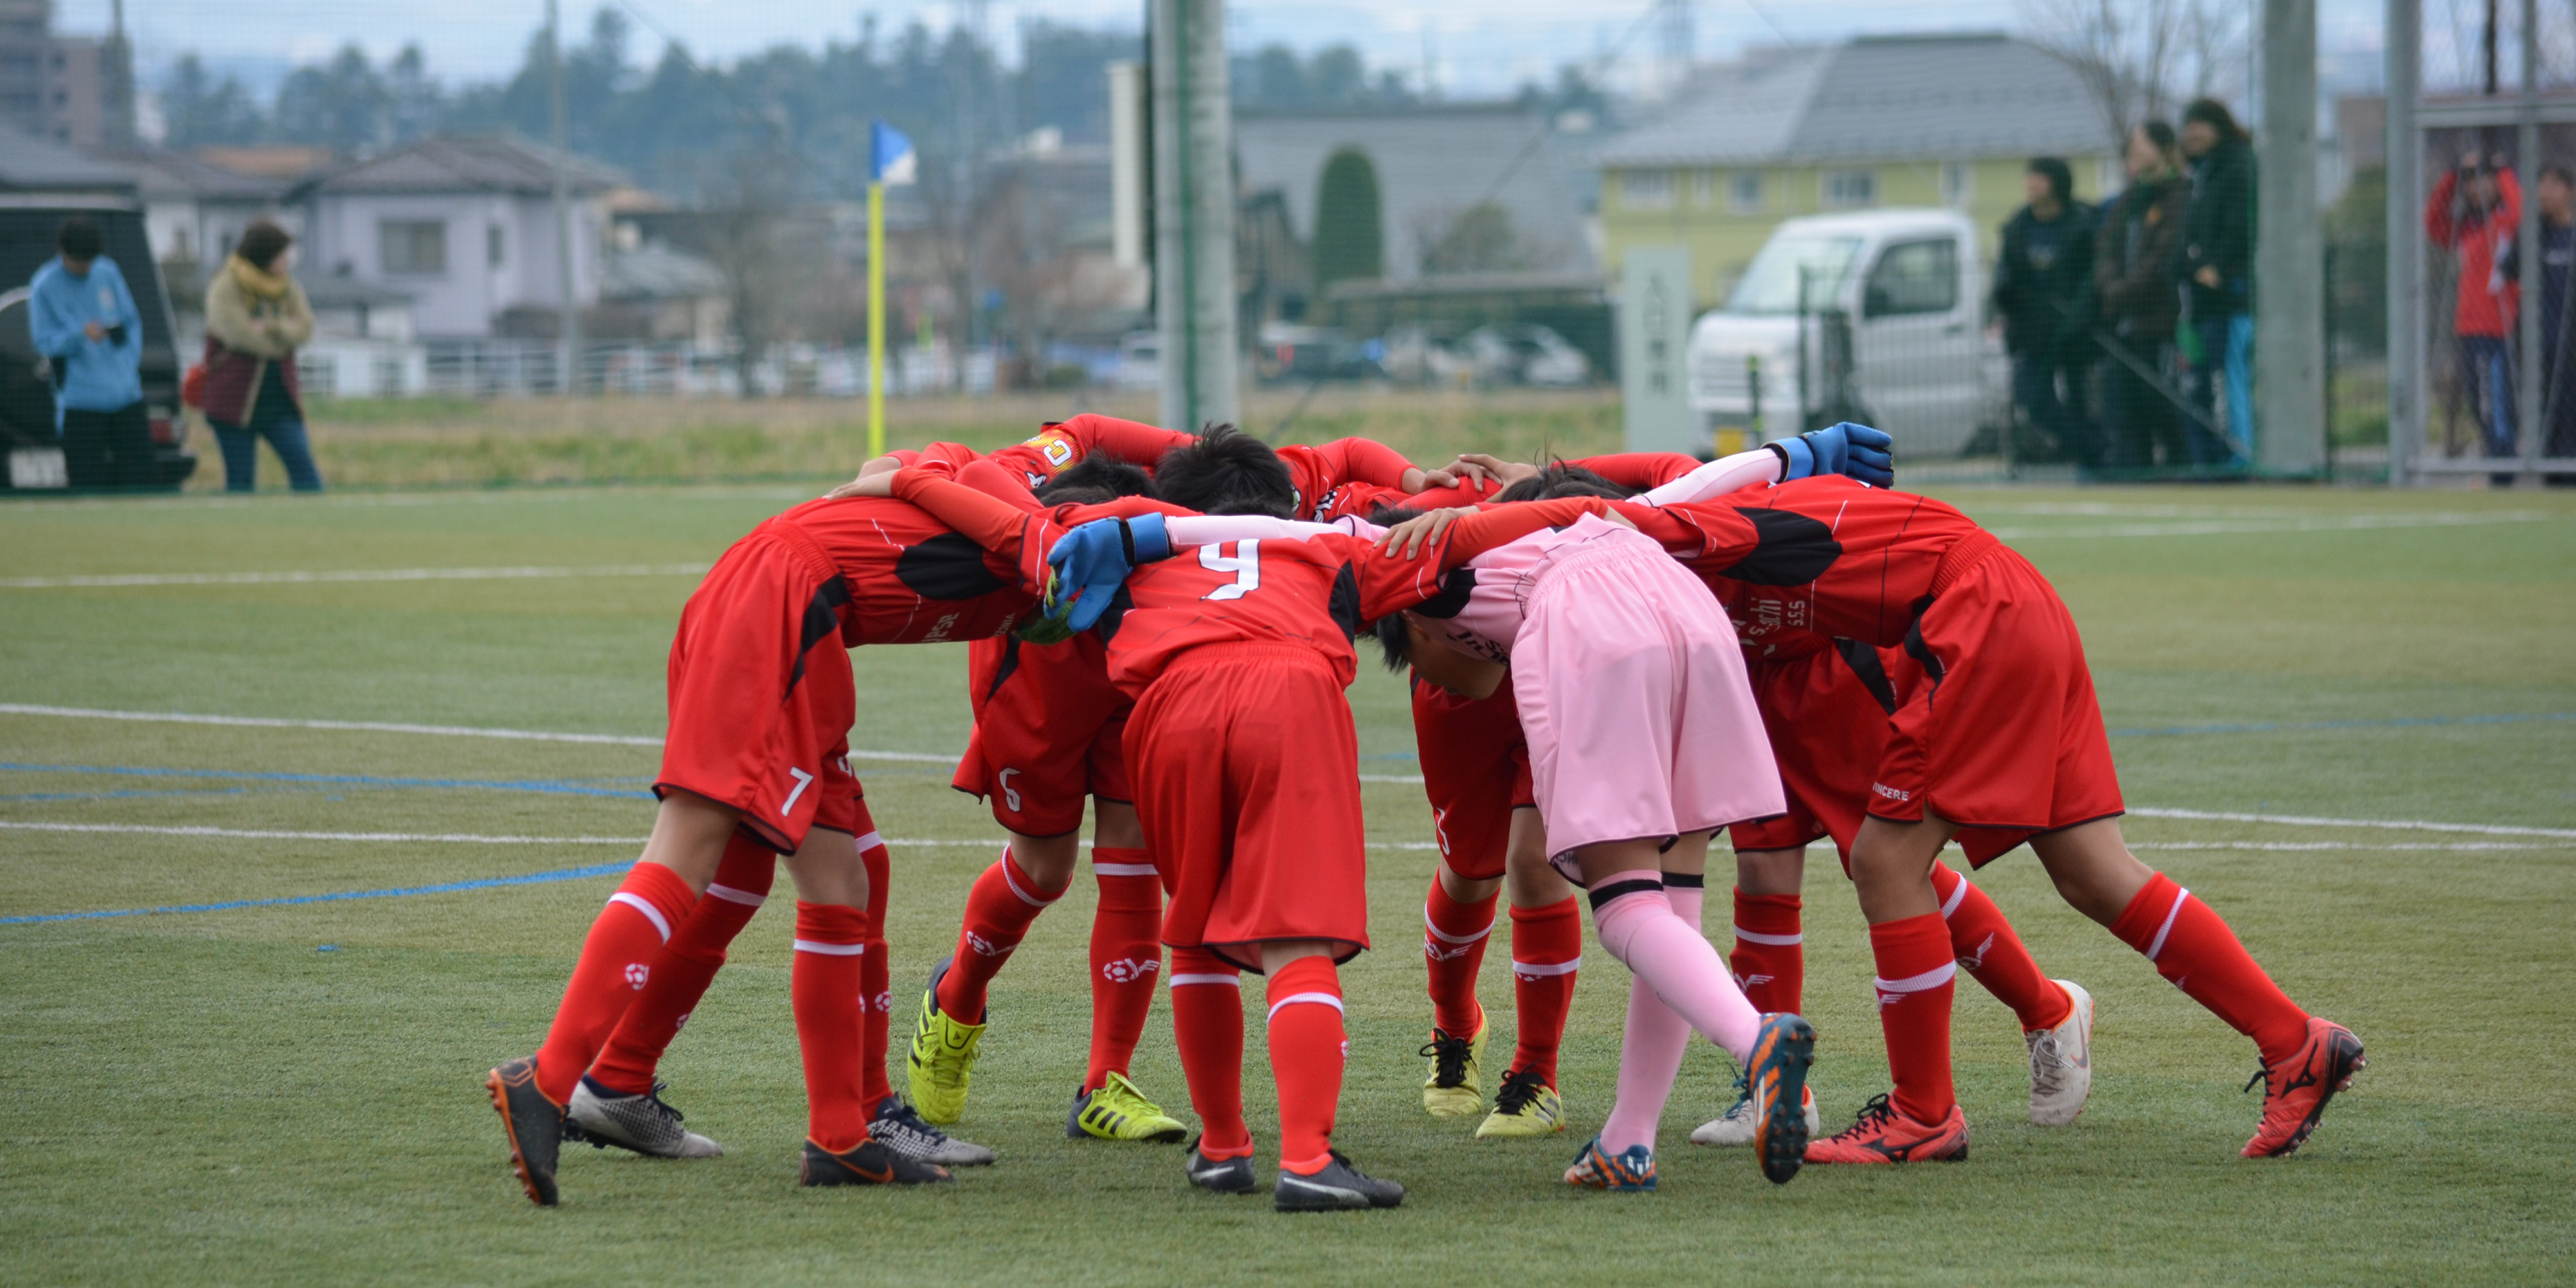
x=830 y=950
x=652 y=914
x=1958 y=893
x=1230 y=981
x=1447 y=938
x=1025 y=897
x=1122 y=869
x=1933 y=978
x=2157 y=945
x=744 y=897
x=870 y=841
x=1543 y=969
x=1320 y=999
x=1776 y=941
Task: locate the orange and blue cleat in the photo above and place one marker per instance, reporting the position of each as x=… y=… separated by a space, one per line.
x=1630 y=1171
x=1885 y=1135
x=2296 y=1090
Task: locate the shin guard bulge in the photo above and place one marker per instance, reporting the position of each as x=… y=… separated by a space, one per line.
x=1547 y=951
x=616 y=963
x=1916 y=977
x=2196 y=952
x=1988 y=947
x=1635 y=922
x=831 y=940
x=686 y=966
x=1307 y=1050
x=1454 y=935
x=1207 y=1023
x=1126 y=957
x=1770 y=957
x=999 y=911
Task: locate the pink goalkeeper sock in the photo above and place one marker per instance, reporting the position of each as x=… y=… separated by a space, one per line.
x=1639 y=927
x=1650 y=1051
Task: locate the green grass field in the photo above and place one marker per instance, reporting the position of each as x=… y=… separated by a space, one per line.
x=290 y=1093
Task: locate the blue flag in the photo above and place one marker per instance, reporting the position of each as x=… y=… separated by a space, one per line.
x=893 y=160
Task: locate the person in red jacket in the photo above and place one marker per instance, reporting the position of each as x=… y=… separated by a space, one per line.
x=2473 y=213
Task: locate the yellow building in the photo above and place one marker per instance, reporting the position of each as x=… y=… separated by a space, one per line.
x=1880 y=121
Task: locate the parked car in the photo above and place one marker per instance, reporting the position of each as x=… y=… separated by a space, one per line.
x=1890 y=331
x=1410 y=354
x=28 y=223
x=1525 y=354
x=1140 y=361
x=1291 y=352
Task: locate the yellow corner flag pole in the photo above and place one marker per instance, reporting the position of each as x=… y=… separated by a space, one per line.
x=876 y=320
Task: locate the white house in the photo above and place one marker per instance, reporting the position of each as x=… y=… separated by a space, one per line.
x=464 y=227
x=195 y=210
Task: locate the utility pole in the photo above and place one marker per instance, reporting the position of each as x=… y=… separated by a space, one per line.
x=1193 y=140
x=2289 y=251
x=568 y=359
x=2404 y=68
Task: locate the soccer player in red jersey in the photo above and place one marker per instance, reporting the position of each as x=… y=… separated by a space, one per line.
x=761 y=701
x=2001 y=742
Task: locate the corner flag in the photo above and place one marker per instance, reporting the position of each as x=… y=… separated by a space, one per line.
x=892 y=159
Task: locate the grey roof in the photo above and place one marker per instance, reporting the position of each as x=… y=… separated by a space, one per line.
x=654 y=271
x=1432 y=165
x=1877 y=98
x=31 y=164
x=336 y=290
x=163 y=174
x=466 y=163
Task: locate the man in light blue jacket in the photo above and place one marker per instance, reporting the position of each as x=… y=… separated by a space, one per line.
x=84 y=321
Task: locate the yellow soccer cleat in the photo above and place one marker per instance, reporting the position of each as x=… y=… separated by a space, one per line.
x=1455 y=1089
x=942 y=1061
x=1116 y=1110
x=1525 y=1106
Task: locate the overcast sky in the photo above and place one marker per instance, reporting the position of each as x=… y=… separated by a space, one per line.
x=1473 y=48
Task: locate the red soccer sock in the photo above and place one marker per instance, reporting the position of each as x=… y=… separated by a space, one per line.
x=1307 y=1048
x=1770 y=958
x=876 y=992
x=999 y=909
x=680 y=974
x=1916 y=976
x=1126 y=957
x=2196 y=952
x=616 y=961
x=831 y=941
x=1985 y=943
x=1454 y=935
x=1547 y=949
x=1207 y=1022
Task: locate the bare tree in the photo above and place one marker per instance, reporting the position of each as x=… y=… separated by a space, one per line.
x=744 y=240
x=2140 y=58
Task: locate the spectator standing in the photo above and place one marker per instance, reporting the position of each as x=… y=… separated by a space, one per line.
x=2139 y=305
x=2557 y=327
x=2216 y=263
x=83 y=319
x=256 y=317
x=2472 y=213
x=2041 y=282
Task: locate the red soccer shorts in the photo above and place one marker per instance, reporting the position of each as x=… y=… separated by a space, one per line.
x=761 y=697
x=1247 y=782
x=1827 y=716
x=2002 y=733
x=1475 y=769
x=1049 y=730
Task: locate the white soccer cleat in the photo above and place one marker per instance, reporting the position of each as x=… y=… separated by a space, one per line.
x=640 y=1123
x=1735 y=1126
x=2061 y=1063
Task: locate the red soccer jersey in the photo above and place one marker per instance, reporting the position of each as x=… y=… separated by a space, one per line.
x=1058 y=446
x=1319 y=472
x=906 y=577
x=1639 y=470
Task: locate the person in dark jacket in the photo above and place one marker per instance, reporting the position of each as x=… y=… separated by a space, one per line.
x=256 y=316
x=2216 y=264
x=2139 y=305
x=2042 y=278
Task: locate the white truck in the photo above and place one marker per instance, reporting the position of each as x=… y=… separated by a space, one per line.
x=1891 y=332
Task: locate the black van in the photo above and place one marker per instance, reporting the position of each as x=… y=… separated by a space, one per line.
x=28 y=222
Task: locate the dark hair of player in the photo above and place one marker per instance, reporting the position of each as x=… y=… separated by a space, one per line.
x=1227 y=471
x=1393 y=639
x=79 y=238
x=1560 y=479
x=1099 y=472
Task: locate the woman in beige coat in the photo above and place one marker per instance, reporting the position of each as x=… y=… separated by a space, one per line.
x=256 y=316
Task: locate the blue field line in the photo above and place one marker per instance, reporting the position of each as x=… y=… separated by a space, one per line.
x=2310 y=726
x=533 y=878
x=118 y=796
x=544 y=786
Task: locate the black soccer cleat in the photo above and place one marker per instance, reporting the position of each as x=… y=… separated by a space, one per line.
x=1339 y=1187
x=532 y=1123
x=1218 y=1176
x=871 y=1163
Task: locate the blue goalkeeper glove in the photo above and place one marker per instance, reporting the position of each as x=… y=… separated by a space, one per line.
x=1093 y=560
x=1854 y=451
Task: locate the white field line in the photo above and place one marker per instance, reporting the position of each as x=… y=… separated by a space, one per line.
x=261 y=834
x=2219 y=527
x=36 y=506
x=346 y=575
x=365 y=726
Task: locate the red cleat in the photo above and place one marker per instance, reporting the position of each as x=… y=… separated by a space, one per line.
x=2296 y=1090
x=1884 y=1135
